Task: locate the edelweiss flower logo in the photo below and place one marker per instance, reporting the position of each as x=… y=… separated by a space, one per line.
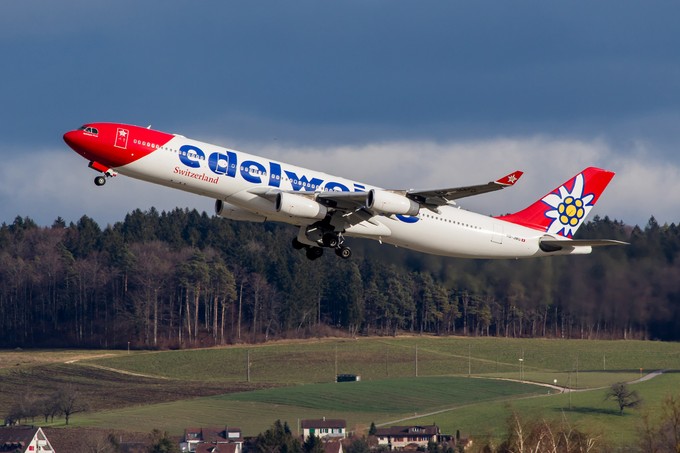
x=570 y=208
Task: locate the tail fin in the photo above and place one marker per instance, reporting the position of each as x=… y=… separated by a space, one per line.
x=564 y=209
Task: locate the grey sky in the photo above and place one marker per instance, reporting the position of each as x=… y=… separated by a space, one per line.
x=305 y=79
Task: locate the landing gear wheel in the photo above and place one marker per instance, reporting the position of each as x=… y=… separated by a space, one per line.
x=297 y=245
x=99 y=180
x=314 y=253
x=343 y=252
x=330 y=240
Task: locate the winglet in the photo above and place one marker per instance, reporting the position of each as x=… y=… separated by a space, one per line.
x=511 y=179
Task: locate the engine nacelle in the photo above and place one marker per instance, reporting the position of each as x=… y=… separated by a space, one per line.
x=391 y=203
x=229 y=211
x=299 y=206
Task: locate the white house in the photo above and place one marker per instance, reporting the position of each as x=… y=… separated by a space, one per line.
x=324 y=428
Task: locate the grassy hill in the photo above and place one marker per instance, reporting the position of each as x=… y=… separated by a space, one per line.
x=450 y=381
x=314 y=361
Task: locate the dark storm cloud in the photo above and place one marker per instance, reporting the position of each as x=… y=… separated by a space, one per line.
x=433 y=66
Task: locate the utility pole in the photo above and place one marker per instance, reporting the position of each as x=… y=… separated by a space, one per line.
x=521 y=369
x=469 y=360
x=416 y=360
x=248 y=365
x=570 y=390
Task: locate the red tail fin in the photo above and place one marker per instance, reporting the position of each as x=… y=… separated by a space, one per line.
x=564 y=209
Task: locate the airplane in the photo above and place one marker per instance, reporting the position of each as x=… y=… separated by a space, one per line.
x=327 y=209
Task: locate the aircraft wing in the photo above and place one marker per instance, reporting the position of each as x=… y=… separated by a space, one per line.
x=437 y=197
x=440 y=197
x=356 y=201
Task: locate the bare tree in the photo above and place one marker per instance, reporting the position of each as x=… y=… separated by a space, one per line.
x=540 y=435
x=69 y=401
x=623 y=397
x=670 y=426
x=47 y=407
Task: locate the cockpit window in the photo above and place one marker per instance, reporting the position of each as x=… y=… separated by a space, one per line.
x=89 y=130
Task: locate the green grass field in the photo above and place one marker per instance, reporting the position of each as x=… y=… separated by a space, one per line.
x=359 y=403
x=382 y=358
x=452 y=380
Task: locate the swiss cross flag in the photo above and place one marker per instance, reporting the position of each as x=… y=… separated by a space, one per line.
x=31 y=448
x=121 y=138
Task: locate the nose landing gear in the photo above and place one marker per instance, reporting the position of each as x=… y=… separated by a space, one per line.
x=107 y=173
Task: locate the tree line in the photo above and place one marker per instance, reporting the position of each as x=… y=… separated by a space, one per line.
x=65 y=402
x=183 y=278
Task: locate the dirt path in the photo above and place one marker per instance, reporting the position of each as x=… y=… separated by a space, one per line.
x=115 y=370
x=77 y=361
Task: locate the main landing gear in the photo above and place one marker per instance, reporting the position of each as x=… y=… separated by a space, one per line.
x=329 y=240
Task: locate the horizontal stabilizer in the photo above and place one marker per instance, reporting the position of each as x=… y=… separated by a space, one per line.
x=553 y=245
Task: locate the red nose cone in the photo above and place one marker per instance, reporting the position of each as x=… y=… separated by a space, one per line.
x=70 y=139
x=81 y=143
x=74 y=140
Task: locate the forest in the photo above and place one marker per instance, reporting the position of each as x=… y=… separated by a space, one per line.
x=186 y=279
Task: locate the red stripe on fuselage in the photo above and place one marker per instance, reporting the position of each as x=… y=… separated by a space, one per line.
x=114 y=144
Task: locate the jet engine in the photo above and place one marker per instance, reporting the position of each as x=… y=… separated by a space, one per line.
x=391 y=203
x=229 y=211
x=299 y=206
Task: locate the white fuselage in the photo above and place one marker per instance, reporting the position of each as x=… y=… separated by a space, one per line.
x=240 y=179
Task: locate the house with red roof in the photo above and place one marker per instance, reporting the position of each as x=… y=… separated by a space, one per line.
x=24 y=439
x=212 y=440
x=398 y=437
